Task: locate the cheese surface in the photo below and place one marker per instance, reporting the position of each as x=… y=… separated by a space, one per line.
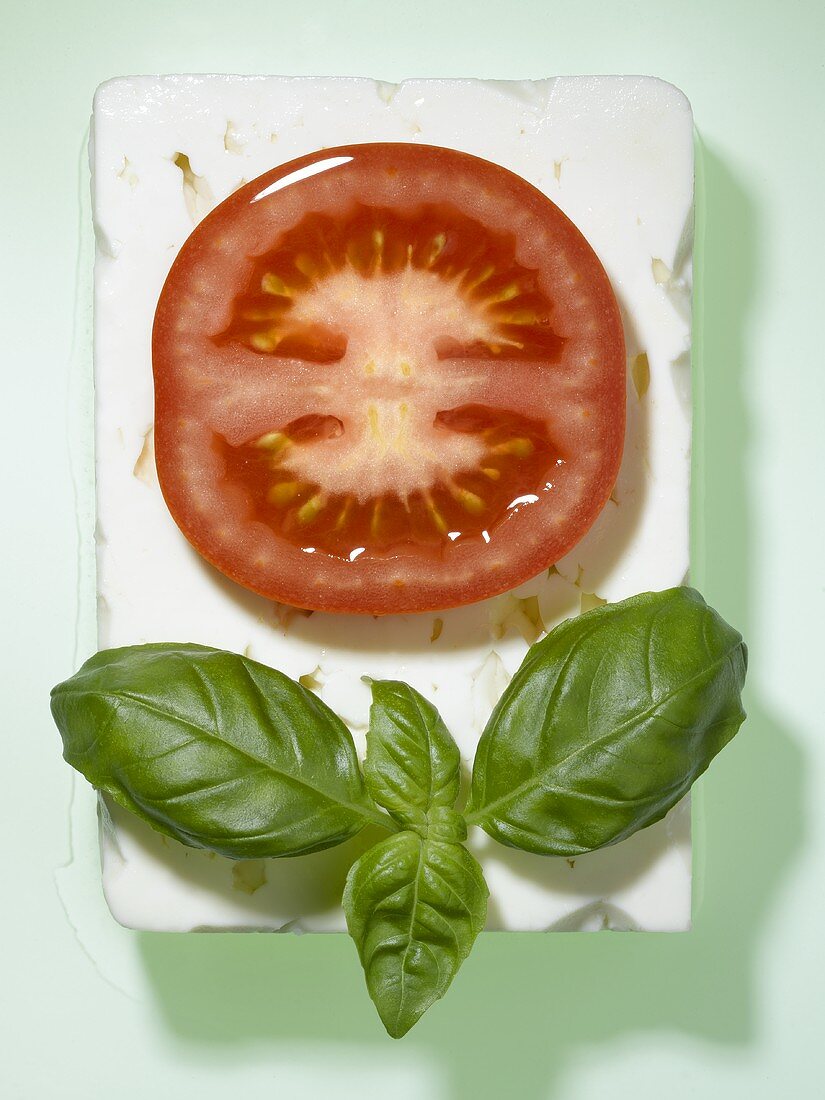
x=616 y=155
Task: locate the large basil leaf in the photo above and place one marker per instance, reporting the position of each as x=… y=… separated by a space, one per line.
x=414 y=908
x=214 y=749
x=607 y=724
x=412 y=762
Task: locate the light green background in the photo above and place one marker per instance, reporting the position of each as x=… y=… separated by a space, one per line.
x=733 y=1009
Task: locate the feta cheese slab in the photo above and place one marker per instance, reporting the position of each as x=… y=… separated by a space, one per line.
x=616 y=154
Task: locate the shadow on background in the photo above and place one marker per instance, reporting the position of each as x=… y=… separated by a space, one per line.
x=524 y=1004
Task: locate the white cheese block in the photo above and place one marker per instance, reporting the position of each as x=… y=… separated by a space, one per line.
x=616 y=154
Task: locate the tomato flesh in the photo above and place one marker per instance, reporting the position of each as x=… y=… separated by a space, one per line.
x=395 y=384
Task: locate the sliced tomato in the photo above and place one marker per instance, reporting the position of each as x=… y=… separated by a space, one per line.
x=388 y=378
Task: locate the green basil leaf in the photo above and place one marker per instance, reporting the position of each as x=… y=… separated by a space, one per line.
x=607 y=724
x=412 y=762
x=214 y=749
x=414 y=908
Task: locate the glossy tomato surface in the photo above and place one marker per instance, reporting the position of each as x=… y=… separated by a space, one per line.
x=388 y=378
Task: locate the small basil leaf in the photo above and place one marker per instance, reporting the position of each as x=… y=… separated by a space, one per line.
x=607 y=724
x=214 y=749
x=412 y=762
x=414 y=908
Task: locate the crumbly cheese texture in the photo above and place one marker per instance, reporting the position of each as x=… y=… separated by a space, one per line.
x=616 y=154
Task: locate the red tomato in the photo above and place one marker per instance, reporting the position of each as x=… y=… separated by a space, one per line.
x=388 y=378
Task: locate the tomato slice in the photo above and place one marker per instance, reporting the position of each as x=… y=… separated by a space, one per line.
x=388 y=378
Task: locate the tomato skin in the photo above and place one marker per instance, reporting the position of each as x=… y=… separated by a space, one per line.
x=212 y=390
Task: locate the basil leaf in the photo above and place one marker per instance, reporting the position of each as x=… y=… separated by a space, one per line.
x=412 y=762
x=607 y=724
x=414 y=908
x=214 y=749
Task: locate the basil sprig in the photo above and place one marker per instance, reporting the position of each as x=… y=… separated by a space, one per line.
x=605 y=726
